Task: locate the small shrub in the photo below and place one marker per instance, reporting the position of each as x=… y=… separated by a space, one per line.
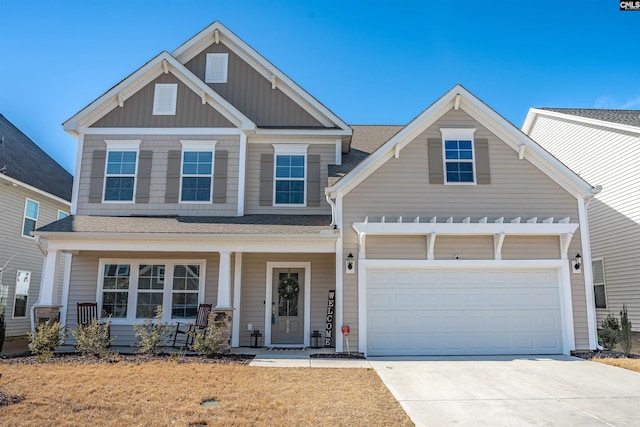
x=212 y=341
x=152 y=333
x=93 y=339
x=625 y=331
x=46 y=339
x=3 y=327
x=610 y=331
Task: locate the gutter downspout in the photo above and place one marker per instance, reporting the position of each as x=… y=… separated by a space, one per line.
x=44 y=251
x=327 y=194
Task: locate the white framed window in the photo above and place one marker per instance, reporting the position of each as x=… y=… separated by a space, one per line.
x=196 y=180
x=599 y=286
x=290 y=177
x=458 y=155
x=23 y=281
x=165 y=96
x=130 y=290
x=121 y=170
x=216 y=68
x=30 y=219
x=62 y=214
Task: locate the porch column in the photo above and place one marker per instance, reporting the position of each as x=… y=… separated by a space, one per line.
x=48 y=283
x=224 y=281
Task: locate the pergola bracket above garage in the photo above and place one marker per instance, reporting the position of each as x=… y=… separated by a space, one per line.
x=499 y=229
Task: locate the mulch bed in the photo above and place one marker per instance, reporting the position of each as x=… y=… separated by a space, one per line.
x=603 y=354
x=28 y=359
x=336 y=356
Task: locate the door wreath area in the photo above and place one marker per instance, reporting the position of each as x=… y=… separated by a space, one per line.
x=288 y=289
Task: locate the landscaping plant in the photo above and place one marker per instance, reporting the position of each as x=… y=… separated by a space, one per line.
x=93 y=339
x=610 y=331
x=152 y=333
x=625 y=331
x=46 y=339
x=211 y=341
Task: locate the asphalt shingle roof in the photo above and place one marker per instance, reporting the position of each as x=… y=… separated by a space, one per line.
x=248 y=224
x=22 y=159
x=623 y=117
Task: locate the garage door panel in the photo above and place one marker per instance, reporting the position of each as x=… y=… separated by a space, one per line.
x=463 y=312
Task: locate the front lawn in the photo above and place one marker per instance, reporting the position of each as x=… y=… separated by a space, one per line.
x=165 y=393
x=622 y=362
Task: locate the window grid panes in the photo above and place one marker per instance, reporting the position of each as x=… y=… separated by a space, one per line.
x=150 y=290
x=121 y=172
x=115 y=289
x=458 y=156
x=290 y=178
x=186 y=282
x=197 y=169
x=30 y=217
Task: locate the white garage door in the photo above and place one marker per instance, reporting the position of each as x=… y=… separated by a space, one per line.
x=473 y=311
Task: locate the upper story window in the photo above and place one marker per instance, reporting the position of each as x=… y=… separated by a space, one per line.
x=458 y=155
x=122 y=165
x=290 y=174
x=216 y=68
x=197 y=171
x=62 y=214
x=164 y=99
x=30 y=220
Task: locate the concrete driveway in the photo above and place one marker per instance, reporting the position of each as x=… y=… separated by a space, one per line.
x=511 y=391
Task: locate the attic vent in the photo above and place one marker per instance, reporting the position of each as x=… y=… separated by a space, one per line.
x=164 y=99
x=216 y=71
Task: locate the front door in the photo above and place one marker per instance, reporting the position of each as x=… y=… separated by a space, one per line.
x=287 y=311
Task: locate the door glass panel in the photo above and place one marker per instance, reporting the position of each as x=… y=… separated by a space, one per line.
x=287 y=307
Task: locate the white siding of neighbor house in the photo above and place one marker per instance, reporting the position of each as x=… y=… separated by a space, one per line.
x=254 y=273
x=611 y=158
x=22 y=253
x=327 y=154
x=401 y=188
x=160 y=145
x=85 y=275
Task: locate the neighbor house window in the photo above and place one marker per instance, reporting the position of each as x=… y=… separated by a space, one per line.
x=165 y=96
x=62 y=215
x=458 y=156
x=23 y=281
x=197 y=171
x=599 y=291
x=122 y=166
x=30 y=220
x=290 y=174
x=216 y=68
x=132 y=290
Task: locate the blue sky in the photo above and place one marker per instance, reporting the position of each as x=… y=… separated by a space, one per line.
x=370 y=62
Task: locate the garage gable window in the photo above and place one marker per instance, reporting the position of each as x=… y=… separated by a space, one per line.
x=458 y=156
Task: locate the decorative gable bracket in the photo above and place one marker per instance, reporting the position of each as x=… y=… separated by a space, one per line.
x=498 y=229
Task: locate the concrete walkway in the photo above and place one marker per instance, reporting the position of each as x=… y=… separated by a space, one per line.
x=512 y=391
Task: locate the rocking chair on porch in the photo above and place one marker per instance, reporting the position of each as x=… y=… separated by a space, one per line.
x=87 y=313
x=184 y=331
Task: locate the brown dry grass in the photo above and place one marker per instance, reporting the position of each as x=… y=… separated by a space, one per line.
x=631 y=364
x=167 y=393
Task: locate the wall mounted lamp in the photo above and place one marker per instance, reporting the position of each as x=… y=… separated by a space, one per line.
x=350 y=267
x=577 y=264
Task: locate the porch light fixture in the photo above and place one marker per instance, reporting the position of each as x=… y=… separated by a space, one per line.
x=350 y=264
x=577 y=263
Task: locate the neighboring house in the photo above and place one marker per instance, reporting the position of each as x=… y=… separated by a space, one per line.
x=603 y=146
x=34 y=191
x=209 y=176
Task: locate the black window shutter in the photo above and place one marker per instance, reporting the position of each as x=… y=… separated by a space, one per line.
x=266 y=180
x=172 y=190
x=144 y=176
x=313 y=180
x=483 y=171
x=96 y=183
x=220 y=176
x=436 y=174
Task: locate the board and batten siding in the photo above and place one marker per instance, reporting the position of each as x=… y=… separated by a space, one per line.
x=85 y=275
x=137 y=111
x=160 y=145
x=251 y=93
x=608 y=157
x=22 y=253
x=327 y=153
x=401 y=187
x=254 y=274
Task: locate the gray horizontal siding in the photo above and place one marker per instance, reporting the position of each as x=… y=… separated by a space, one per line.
x=401 y=188
x=137 y=111
x=20 y=252
x=160 y=145
x=251 y=93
